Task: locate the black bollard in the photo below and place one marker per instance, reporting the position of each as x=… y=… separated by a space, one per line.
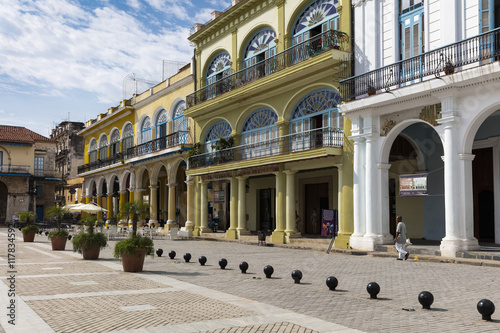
x=172 y=254
x=222 y=263
x=46 y=233
x=202 y=260
x=268 y=270
x=187 y=257
x=296 y=276
x=69 y=237
x=21 y=228
x=486 y=308
x=243 y=267
x=373 y=289
x=159 y=252
x=332 y=282
x=426 y=299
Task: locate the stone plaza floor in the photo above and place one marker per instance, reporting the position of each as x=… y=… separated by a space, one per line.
x=58 y=291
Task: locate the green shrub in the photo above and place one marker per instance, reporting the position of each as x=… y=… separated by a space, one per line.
x=58 y=233
x=29 y=228
x=88 y=240
x=132 y=245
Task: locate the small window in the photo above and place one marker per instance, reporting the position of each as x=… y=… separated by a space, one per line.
x=39 y=190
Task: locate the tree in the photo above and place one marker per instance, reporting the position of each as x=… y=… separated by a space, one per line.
x=134 y=210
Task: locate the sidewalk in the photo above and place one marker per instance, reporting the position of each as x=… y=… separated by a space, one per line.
x=57 y=291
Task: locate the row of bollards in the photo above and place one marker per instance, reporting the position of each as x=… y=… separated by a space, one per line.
x=485 y=307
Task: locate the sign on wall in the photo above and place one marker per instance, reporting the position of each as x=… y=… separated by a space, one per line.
x=219 y=197
x=413 y=185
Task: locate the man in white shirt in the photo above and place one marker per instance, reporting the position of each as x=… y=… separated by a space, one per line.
x=400 y=239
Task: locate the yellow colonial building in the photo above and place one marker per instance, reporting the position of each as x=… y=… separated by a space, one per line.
x=270 y=150
x=137 y=151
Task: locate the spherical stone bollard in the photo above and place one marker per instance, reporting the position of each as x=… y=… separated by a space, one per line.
x=187 y=257
x=202 y=260
x=486 y=308
x=41 y=232
x=296 y=276
x=21 y=228
x=159 y=252
x=268 y=270
x=373 y=289
x=426 y=299
x=222 y=263
x=46 y=233
x=172 y=254
x=69 y=237
x=243 y=267
x=332 y=282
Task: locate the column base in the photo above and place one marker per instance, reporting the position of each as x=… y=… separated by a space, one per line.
x=243 y=232
x=196 y=231
x=366 y=242
x=171 y=224
x=450 y=247
x=342 y=241
x=204 y=229
x=153 y=222
x=189 y=225
x=231 y=234
x=293 y=234
x=278 y=237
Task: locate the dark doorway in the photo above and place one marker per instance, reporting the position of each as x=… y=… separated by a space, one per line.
x=316 y=197
x=484 y=203
x=392 y=206
x=3 y=202
x=265 y=209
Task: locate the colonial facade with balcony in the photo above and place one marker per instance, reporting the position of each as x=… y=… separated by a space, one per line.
x=137 y=151
x=28 y=175
x=425 y=111
x=270 y=143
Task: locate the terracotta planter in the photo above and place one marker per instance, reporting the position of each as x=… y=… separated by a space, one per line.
x=371 y=92
x=29 y=236
x=58 y=242
x=92 y=253
x=133 y=262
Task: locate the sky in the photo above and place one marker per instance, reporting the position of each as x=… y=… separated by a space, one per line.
x=69 y=60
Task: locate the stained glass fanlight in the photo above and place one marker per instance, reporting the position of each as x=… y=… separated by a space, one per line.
x=180 y=122
x=128 y=131
x=260 y=118
x=103 y=141
x=115 y=136
x=179 y=109
x=93 y=144
x=315 y=102
x=220 y=63
x=162 y=117
x=146 y=124
x=219 y=130
x=260 y=42
x=315 y=13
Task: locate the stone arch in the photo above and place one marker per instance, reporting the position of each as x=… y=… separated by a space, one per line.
x=173 y=106
x=297 y=97
x=174 y=167
x=472 y=129
x=208 y=126
x=122 y=132
x=209 y=60
x=296 y=14
x=248 y=37
x=248 y=111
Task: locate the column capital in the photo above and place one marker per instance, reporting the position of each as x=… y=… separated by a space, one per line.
x=466 y=157
x=189 y=182
x=242 y=178
x=153 y=187
x=290 y=172
x=123 y=192
x=172 y=185
x=140 y=190
x=385 y=166
x=339 y=166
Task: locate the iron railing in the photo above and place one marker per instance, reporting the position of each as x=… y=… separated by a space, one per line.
x=14 y=169
x=101 y=163
x=328 y=40
x=482 y=48
x=169 y=141
x=321 y=137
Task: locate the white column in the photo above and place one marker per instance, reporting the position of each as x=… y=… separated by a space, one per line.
x=242 y=218
x=231 y=233
x=358 y=190
x=467 y=202
x=204 y=207
x=340 y=185
x=290 y=229
x=190 y=203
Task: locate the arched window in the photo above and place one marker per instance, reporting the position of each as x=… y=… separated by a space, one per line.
x=315 y=115
x=93 y=150
x=180 y=125
x=127 y=137
x=260 y=47
x=161 y=124
x=219 y=68
x=320 y=16
x=260 y=134
x=114 y=141
x=103 y=147
x=218 y=130
x=146 y=130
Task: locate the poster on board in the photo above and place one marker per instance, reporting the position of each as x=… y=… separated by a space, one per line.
x=329 y=222
x=413 y=185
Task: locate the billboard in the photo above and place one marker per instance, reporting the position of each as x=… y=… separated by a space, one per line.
x=413 y=185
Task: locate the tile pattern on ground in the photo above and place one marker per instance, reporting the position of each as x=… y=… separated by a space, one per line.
x=104 y=314
x=283 y=327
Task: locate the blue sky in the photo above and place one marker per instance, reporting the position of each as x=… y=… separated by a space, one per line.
x=67 y=59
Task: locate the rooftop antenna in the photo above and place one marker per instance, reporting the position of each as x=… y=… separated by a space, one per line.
x=170 y=67
x=135 y=80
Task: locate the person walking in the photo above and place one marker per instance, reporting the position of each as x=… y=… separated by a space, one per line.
x=400 y=239
x=314 y=221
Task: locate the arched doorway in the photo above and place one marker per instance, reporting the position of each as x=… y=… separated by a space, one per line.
x=3 y=202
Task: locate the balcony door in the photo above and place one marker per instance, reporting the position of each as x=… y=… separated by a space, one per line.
x=489 y=20
x=260 y=47
x=411 y=35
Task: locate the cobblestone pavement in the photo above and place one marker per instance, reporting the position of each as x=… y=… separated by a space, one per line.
x=59 y=292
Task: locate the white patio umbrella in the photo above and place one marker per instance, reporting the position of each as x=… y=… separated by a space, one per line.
x=88 y=208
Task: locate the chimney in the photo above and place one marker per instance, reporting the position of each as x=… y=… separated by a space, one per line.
x=215 y=14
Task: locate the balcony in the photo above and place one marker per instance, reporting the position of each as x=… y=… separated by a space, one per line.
x=14 y=169
x=156 y=145
x=163 y=143
x=322 y=43
x=468 y=53
x=317 y=138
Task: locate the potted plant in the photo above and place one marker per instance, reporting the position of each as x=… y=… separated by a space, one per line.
x=371 y=90
x=57 y=237
x=30 y=230
x=196 y=150
x=222 y=149
x=133 y=249
x=449 y=68
x=89 y=243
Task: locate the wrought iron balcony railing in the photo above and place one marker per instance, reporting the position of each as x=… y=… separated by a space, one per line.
x=14 y=169
x=328 y=40
x=479 y=49
x=169 y=141
x=101 y=163
x=321 y=137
